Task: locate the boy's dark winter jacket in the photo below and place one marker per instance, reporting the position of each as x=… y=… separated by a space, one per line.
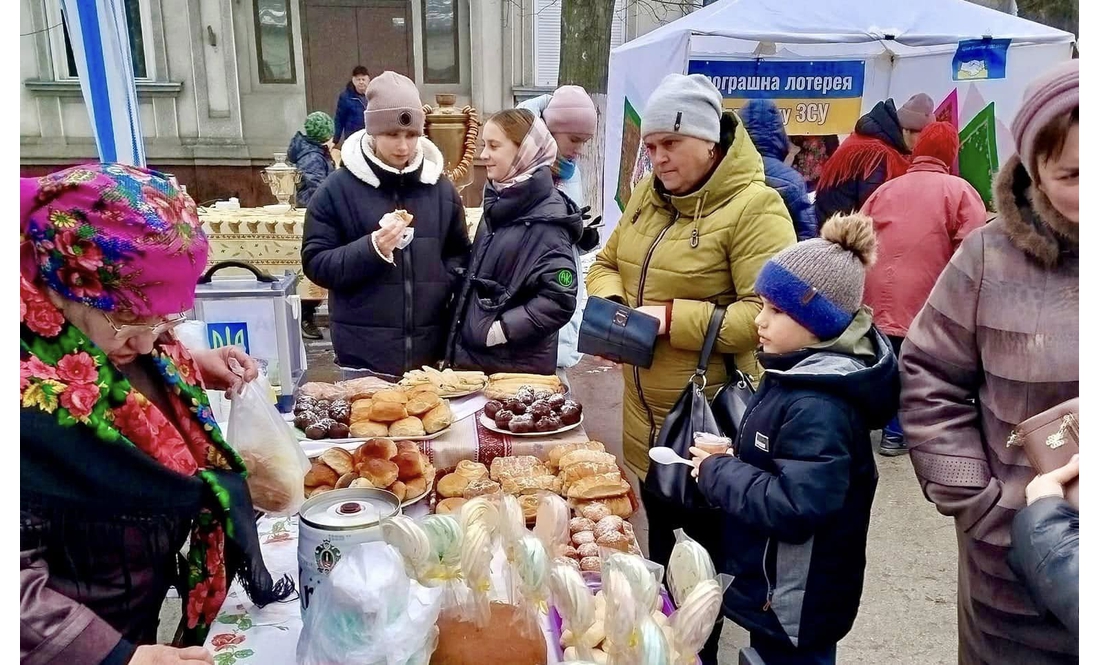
x=797 y=496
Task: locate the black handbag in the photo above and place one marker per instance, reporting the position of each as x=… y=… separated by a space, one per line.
x=690 y=414
x=732 y=401
x=617 y=332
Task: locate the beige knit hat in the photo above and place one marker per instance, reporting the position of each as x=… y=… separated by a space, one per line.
x=393 y=104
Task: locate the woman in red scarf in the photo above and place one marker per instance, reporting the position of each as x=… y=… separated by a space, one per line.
x=120 y=456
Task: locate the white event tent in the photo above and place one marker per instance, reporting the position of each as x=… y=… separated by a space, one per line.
x=900 y=47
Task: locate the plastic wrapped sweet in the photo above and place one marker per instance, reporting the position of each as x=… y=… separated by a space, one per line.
x=476 y=556
x=653 y=648
x=480 y=510
x=621 y=616
x=693 y=622
x=574 y=602
x=688 y=565
x=370 y=613
x=643 y=576
x=552 y=522
x=411 y=541
x=513 y=526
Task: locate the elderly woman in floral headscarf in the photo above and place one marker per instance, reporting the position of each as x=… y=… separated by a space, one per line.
x=120 y=456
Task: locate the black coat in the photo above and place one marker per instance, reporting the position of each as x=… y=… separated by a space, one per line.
x=385 y=317
x=1045 y=554
x=880 y=123
x=796 y=498
x=522 y=273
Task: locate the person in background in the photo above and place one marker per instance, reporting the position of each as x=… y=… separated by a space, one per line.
x=309 y=151
x=811 y=154
x=570 y=116
x=878 y=151
x=120 y=459
x=521 y=287
x=1045 y=550
x=921 y=218
x=391 y=279
x=795 y=497
x=764 y=124
x=694 y=236
x=351 y=105
x=1001 y=327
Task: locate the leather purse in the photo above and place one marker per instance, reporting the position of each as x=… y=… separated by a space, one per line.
x=690 y=414
x=732 y=401
x=617 y=332
x=1050 y=439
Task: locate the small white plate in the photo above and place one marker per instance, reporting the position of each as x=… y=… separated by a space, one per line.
x=491 y=425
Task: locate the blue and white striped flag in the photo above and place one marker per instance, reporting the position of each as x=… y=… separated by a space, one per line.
x=101 y=46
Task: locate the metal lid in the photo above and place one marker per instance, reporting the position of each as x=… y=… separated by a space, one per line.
x=349 y=509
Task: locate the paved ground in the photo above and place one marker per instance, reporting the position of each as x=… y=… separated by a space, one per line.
x=908 y=611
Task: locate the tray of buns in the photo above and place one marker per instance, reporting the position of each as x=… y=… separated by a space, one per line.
x=396 y=466
x=399 y=413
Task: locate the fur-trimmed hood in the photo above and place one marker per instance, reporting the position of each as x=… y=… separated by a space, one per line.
x=358 y=150
x=1033 y=225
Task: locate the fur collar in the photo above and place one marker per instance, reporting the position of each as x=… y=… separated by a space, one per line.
x=358 y=149
x=1031 y=222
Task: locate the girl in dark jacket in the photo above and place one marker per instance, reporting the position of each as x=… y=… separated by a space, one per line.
x=521 y=287
x=390 y=280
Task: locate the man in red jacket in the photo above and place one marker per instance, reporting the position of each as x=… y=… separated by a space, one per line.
x=920 y=219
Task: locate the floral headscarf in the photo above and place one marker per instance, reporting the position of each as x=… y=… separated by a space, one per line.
x=114 y=237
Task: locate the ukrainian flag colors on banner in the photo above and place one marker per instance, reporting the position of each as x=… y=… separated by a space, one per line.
x=816 y=98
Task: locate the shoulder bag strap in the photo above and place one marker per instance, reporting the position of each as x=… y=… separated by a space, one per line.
x=712 y=336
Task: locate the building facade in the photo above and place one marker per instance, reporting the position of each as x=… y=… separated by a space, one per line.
x=224 y=84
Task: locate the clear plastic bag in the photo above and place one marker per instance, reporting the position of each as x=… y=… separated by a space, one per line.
x=370 y=613
x=275 y=462
x=697 y=590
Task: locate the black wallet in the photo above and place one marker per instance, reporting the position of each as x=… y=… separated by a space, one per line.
x=617 y=332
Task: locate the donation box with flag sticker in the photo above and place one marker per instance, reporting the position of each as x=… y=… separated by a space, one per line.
x=815 y=98
x=260 y=313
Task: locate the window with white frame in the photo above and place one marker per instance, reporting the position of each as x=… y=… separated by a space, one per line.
x=547 y=37
x=139 y=31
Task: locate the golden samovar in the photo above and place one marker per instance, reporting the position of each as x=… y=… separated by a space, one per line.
x=454 y=132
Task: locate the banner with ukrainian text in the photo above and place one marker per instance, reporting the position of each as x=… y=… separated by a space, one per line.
x=815 y=98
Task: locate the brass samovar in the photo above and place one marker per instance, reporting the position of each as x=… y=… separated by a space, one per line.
x=454 y=132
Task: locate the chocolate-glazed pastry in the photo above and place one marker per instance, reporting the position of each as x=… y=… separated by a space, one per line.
x=570 y=402
x=516 y=406
x=556 y=401
x=540 y=409
x=503 y=417
x=492 y=407
x=338 y=430
x=570 y=414
x=340 y=411
x=543 y=394
x=317 y=430
x=553 y=422
x=322 y=405
x=526 y=394
x=546 y=425
x=304 y=419
x=522 y=425
x=304 y=404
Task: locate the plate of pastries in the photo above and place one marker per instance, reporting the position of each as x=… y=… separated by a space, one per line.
x=396 y=412
x=532 y=411
x=395 y=466
x=584 y=473
x=449 y=383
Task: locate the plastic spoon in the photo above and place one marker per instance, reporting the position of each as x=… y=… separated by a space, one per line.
x=663 y=455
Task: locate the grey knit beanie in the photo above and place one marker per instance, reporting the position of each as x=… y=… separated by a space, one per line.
x=688 y=105
x=819 y=282
x=393 y=104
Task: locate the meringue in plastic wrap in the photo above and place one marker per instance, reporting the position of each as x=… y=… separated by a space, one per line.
x=370 y=613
